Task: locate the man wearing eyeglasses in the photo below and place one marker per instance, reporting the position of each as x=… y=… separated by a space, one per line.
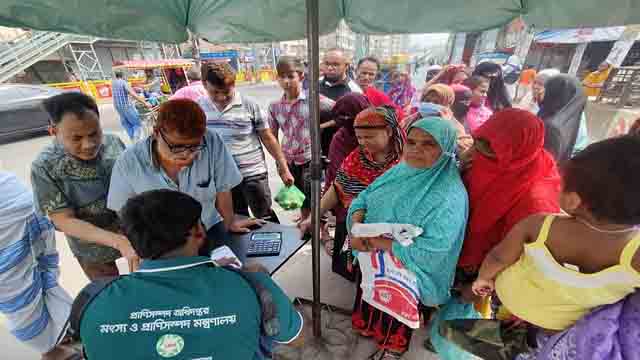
x=334 y=84
x=183 y=155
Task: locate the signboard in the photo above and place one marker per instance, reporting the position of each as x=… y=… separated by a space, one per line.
x=103 y=91
x=576 y=36
x=229 y=54
x=577 y=58
x=621 y=47
x=524 y=44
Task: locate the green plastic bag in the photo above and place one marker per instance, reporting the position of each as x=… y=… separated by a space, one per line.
x=290 y=198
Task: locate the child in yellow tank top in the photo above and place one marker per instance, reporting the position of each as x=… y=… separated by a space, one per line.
x=550 y=270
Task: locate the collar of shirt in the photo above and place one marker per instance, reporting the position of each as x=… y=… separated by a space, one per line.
x=302 y=96
x=237 y=101
x=59 y=148
x=173 y=264
x=344 y=82
x=154 y=161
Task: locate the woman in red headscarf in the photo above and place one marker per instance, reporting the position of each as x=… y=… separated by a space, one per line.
x=512 y=176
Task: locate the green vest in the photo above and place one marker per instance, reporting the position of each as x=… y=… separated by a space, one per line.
x=183 y=309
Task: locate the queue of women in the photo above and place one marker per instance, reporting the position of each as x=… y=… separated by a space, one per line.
x=528 y=231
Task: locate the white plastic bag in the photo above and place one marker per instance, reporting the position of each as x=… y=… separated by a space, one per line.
x=402 y=233
x=386 y=284
x=389 y=287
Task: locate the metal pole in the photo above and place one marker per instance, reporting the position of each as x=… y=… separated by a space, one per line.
x=316 y=168
x=273 y=56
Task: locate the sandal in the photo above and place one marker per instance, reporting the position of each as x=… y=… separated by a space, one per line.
x=328 y=247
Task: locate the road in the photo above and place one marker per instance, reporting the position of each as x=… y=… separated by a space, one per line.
x=17 y=157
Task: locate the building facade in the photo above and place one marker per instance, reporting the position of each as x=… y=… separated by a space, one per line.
x=385 y=47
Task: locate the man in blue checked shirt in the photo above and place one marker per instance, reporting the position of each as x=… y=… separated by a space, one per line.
x=129 y=117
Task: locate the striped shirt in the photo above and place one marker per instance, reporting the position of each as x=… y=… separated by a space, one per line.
x=239 y=125
x=119 y=89
x=34 y=304
x=292 y=117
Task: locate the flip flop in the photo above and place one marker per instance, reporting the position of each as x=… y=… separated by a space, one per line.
x=328 y=247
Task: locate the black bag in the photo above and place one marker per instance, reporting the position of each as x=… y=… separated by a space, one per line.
x=342 y=261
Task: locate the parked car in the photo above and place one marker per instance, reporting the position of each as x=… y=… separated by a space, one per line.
x=21 y=112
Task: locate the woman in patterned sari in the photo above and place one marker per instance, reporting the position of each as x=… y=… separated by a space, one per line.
x=380 y=142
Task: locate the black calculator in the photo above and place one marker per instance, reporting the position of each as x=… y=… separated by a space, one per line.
x=265 y=244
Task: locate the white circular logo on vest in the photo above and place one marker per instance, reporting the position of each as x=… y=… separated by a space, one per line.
x=169 y=345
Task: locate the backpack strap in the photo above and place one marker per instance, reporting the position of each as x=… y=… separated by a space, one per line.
x=81 y=303
x=270 y=323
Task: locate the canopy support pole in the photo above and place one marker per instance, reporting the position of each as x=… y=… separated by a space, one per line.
x=316 y=166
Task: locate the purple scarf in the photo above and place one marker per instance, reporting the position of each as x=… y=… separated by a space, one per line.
x=610 y=332
x=402 y=93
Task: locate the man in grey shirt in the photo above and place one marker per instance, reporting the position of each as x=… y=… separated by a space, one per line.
x=183 y=155
x=244 y=129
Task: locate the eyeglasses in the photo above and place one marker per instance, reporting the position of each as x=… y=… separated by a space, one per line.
x=334 y=65
x=179 y=149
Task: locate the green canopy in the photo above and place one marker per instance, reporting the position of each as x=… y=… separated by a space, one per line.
x=275 y=20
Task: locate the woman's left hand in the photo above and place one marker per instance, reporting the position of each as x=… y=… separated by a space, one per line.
x=381 y=243
x=244 y=226
x=483 y=287
x=360 y=244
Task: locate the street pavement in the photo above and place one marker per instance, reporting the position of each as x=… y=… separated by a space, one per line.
x=294 y=277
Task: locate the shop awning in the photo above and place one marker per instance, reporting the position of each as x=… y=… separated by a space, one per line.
x=152 y=64
x=577 y=36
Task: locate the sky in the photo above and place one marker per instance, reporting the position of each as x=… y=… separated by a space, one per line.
x=427 y=40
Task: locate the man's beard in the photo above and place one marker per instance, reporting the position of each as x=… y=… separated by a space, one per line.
x=333 y=78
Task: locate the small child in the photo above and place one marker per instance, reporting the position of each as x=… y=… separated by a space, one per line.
x=478 y=112
x=551 y=270
x=291 y=115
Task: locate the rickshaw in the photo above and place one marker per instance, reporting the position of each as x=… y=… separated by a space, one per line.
x=172 y=74
x=172 y=71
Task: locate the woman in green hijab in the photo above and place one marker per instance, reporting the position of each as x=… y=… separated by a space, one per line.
x=424 y=190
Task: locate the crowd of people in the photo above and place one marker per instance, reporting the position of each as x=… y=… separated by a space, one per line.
x=526 y=229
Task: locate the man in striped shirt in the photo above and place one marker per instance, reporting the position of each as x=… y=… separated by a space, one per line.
x=244 y=129
x=35 y=306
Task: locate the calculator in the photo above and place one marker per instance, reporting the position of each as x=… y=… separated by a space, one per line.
x=265 y=244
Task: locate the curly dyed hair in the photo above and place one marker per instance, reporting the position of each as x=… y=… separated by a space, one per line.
x=182 y=116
